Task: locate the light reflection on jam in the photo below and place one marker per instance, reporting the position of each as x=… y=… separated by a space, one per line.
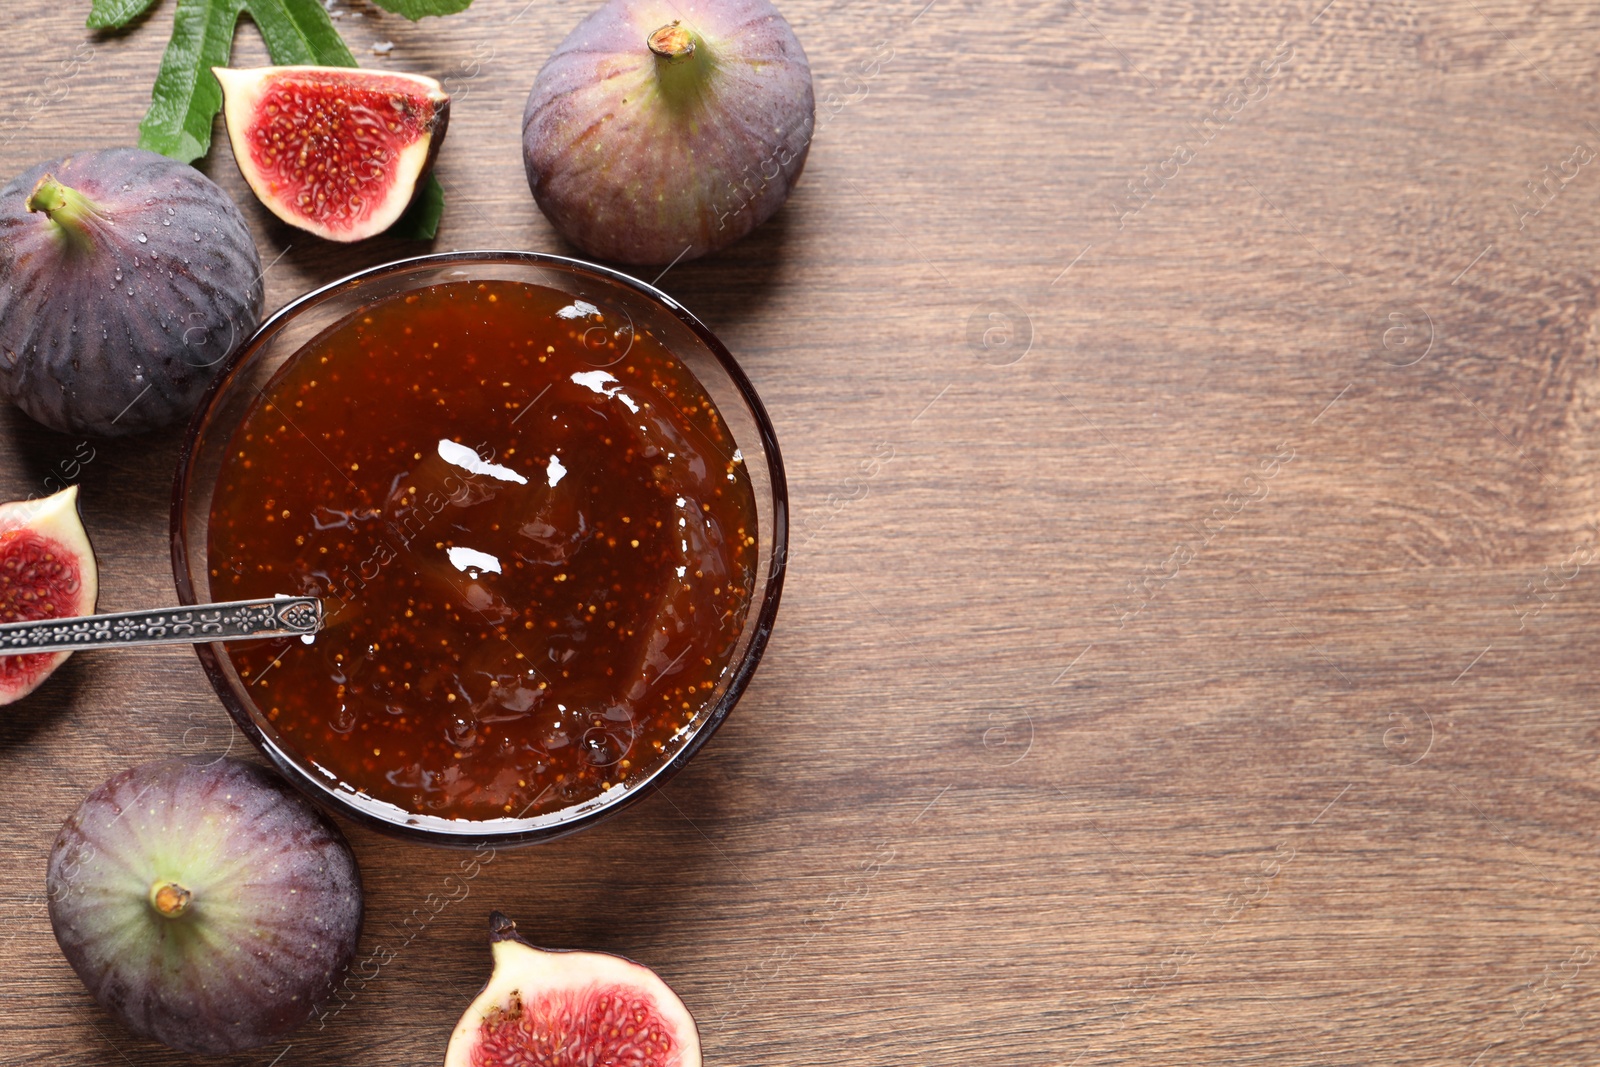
x=537 y=556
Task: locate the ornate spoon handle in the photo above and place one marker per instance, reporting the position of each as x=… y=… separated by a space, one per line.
x=236 y=620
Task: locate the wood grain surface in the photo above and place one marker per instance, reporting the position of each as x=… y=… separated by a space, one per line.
x=1187 y=654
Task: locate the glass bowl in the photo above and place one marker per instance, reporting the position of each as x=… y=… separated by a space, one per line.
x=241 y=380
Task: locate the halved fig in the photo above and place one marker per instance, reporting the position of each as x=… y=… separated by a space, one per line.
x=338 y=151
x=47 y=571
x=571 y=1009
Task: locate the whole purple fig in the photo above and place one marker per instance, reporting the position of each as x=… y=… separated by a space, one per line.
x=126 y=278
x=660 y=130
x=204 y=903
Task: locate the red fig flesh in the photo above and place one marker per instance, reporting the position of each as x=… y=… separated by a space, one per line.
x=47 y=571
x=661 y=130
x=571 y=1009
x=338 y=151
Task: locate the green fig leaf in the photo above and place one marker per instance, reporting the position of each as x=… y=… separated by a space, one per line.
x=299 y=33
x=418 y=9
x=115 y=14
x=186 y=96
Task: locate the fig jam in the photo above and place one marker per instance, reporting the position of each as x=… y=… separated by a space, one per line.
x=534 y=537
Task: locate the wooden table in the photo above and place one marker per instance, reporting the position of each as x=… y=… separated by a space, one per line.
x=1186 y=654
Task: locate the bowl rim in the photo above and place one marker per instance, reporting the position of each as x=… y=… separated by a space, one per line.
x=211 y=657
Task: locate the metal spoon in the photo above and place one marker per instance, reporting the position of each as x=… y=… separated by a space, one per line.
x=234 y=620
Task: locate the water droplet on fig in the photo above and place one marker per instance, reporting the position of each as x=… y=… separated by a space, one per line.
x=143 y=239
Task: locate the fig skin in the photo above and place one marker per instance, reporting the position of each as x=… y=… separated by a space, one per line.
x=570 y=998
x=103 y=333
x=204 y=903
x=646 y=158
x=47 y=571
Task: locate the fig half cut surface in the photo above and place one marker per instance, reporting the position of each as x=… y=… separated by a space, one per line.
x=571 y=1009
x=47 y=571
x=204 y=903
x=337 y=151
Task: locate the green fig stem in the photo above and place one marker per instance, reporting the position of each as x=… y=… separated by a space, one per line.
x=64 y=206
x=672 y=41
x=170 y=899
x=683 y=64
